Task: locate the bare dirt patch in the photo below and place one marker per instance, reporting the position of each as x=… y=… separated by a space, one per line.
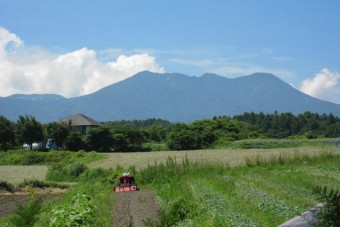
x=8 y=200
x=133 y=208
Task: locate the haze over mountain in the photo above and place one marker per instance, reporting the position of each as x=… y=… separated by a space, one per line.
x=172 y=96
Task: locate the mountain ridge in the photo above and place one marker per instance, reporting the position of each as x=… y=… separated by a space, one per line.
x=173 y=97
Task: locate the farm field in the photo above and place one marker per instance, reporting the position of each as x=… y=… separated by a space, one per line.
x=261 y=193
x=248 y=187
x=230 y=157
x=16 y=174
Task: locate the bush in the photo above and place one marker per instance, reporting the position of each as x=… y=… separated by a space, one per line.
x=76 y=168
x=33 y=158
x=66 y=172
x=329 y=215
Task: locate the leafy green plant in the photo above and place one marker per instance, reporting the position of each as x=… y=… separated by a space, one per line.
x=81 y=212
x=329 y=215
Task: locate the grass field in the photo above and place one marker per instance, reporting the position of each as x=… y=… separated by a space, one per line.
x=230 y=157
x=17 y=174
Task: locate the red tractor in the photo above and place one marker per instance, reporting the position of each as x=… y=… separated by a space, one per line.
x=126 y=183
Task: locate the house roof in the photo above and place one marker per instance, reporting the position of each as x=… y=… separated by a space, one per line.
x=81 y=120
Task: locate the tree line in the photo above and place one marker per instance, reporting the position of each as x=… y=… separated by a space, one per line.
x=139 y=135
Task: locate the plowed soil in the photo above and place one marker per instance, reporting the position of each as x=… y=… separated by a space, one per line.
x=133 y=208
x=8 y=200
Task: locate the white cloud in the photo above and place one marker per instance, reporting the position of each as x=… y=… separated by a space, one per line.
x=34 y=70
x=323 y=86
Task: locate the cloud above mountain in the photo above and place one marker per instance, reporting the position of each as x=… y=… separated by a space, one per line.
x=323 y=86
x=34 y=70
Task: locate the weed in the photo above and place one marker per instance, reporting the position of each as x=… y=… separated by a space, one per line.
x=26 y=214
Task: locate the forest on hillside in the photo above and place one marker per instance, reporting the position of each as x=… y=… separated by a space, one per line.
x=158 y=134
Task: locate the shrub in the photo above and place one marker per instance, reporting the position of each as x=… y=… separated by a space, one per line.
x=76 y=168
x=66 y=172
x=329 y=215
x=33 y=158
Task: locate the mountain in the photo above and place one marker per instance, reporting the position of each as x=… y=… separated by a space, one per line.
x=174 y=97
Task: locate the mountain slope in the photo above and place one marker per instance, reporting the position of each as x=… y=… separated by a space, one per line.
x=175 y=97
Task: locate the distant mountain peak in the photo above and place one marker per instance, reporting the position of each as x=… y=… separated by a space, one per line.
x=172 y=96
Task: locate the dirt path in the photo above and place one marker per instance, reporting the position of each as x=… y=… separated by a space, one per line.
x=132 y=208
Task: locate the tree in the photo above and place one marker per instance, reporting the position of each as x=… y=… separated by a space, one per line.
x=7 y=133
x=120 y=142
x=100 y=139
x=74 y=141
x=182 y=138
x=157 y=133
x=29 y=130
x=58 y=132
x=128 y=139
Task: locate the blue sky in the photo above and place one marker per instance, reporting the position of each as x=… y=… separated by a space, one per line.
x=96 y=43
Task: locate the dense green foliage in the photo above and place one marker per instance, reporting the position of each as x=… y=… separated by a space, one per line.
x=58 y=131
x=74 y=142
x=29 y=130
x=207 y=133
x=262 y=193
x=310 y=125
x=141 y=124
x=80 y=212
x=7 y=133
x=100 y=139
x=157 y=134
